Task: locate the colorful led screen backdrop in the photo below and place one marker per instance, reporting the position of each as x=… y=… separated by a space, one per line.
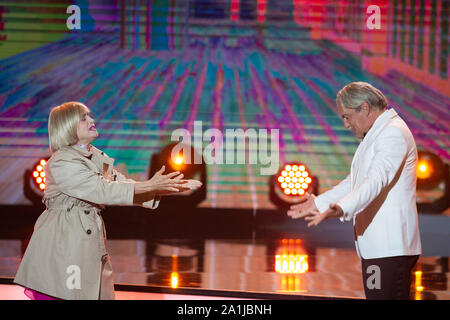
x=146 y=68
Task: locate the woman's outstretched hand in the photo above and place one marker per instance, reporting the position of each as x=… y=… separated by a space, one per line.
x=187 y=185
x=164 y=184
x=161 y=184
x=191 y=184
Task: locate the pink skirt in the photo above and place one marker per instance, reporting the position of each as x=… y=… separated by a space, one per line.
x=35 y=295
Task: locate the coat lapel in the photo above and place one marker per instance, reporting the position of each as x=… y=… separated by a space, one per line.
x=378 y=126
x=102 y=162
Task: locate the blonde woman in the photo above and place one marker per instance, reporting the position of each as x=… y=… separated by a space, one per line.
x=66 y=257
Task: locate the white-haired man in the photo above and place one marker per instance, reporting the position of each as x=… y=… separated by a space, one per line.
x=379 y=194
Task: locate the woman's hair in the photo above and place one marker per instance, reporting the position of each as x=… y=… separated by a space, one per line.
x=355 y=94
x=62 y=124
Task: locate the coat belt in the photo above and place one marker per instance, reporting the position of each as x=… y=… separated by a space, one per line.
x=70 y=205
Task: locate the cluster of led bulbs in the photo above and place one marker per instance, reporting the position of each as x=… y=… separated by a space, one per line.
x=39 y=174
x=294 y=179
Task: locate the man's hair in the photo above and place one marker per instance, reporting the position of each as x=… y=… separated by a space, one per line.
x=62 y=124
x=355 y=94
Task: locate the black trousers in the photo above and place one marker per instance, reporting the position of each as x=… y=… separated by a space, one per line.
x=388 y=278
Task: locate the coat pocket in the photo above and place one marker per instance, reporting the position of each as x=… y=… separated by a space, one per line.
x=88 y=224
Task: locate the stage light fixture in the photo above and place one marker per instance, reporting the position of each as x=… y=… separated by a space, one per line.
x=433 y=182
x=430 y=170
x=293 y=263
x=34 y=182
x=291 y=260
x=179 y=160
x=176 y=157
x=294 y=179
x=39 y=174
x=291 y=182
x=291 y=257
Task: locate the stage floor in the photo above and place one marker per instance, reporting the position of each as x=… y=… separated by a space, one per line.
x=235 y=254
x=241 y=268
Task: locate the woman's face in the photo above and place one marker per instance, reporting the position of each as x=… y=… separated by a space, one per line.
x=86 y=130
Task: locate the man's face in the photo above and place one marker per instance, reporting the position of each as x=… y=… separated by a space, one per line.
x=355 y=120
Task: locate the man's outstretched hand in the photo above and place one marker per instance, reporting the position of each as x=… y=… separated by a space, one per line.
x=307 y=209
x=304 y=208
x=334 y=211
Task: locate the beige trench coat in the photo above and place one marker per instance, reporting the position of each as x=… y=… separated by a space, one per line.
x=66 y=256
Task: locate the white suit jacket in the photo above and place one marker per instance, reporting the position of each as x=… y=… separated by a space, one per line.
x=379 y=194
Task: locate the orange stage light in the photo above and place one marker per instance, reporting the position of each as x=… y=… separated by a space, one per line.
x=424 y=170
x=39 y=174
x=294 y=179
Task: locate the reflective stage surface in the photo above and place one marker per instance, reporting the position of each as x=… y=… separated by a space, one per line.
x=276 y=266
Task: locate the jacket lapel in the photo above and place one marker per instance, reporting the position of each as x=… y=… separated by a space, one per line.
x=380 y=123
x=102 y=162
